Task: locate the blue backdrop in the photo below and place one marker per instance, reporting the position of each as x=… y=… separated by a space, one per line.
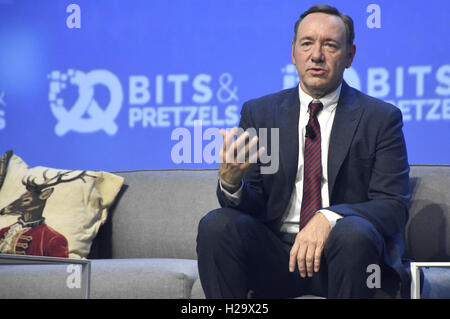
x=118 y=84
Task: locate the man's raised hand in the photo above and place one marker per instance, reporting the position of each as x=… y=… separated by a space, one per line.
x=237 y=155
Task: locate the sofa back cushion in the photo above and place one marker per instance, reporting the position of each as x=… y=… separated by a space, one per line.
x=157 y=214
x=427 y=233
x=158 y=211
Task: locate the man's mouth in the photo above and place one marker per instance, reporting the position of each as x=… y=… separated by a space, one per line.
x=316 y=71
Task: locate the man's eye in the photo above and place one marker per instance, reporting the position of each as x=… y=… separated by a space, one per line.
x=306 y=43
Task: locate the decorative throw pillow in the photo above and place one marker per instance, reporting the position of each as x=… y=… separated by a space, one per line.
x=53 y=212
x=4 y=160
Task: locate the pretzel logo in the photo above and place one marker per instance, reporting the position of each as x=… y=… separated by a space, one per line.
x=86 y=115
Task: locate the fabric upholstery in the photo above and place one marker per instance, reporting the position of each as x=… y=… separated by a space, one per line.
x=118 y=278
x=427 y=232
x=146 y=278
x=158 y=213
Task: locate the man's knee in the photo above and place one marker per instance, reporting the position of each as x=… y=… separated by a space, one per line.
x=226 y=225
x=355 y=237
x=217 y=224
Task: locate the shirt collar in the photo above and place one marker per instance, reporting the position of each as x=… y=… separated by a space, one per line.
x=329 y=101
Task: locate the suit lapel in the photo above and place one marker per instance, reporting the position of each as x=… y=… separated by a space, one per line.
x=288 y=113
x=348 y=114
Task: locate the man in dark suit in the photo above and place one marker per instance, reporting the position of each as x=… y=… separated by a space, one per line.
x=335 y=209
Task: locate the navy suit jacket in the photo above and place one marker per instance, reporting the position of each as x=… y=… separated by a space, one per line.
x=368 y=170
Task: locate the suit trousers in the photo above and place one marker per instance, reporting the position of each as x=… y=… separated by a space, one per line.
x=238 y=254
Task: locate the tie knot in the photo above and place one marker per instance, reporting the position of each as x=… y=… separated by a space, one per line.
x=315 y=107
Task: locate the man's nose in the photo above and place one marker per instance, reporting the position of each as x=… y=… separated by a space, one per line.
x=317 y=54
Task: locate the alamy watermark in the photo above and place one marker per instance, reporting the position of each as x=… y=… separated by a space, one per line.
x=191 y=149
x=73 y=20
x=374 y=279
x=374 y=19
x=74 y=278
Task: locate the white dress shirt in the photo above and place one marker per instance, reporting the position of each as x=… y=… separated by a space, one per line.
x=291 y=218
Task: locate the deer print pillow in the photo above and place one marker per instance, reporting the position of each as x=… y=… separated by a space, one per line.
x=53 y=212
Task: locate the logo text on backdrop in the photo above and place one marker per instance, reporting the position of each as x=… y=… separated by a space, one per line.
x=85 y=115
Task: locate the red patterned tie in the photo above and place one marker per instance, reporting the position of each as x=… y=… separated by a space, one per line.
x=312 y=199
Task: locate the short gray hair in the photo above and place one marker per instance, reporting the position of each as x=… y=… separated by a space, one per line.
x=323 y=8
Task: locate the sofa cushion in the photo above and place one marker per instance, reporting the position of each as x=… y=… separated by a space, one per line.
x=36 y=282
x=143 y=278
x=117 y=278
x=197 y=290
x=157 y=214
x=426 y=233
x=66 y=207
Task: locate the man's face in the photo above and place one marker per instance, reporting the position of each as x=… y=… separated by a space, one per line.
x=321 y=53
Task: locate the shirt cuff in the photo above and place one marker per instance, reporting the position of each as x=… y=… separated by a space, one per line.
x=331 y=216
x=234 y=198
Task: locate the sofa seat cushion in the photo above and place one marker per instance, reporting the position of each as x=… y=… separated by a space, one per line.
x=143 y=278
x=110 y=278
x=197 y=290
x=36 y=282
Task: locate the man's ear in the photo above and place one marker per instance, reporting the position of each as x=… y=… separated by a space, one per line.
x=351 y=55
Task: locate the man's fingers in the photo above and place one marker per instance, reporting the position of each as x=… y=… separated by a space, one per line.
x=239 y=151
x=317 y=257
x=228 y=137
x=239 y=147
x=243 y=155
x=301 y=256
x=253 y=158
x=307 y=256
x=293 y=257
x=229 y=145
x=309 y=259
x=230 y=148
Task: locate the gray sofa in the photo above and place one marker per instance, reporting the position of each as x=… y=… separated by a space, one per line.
x=147 y=247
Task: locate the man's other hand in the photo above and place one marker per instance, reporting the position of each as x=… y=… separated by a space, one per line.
x=308 y=246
